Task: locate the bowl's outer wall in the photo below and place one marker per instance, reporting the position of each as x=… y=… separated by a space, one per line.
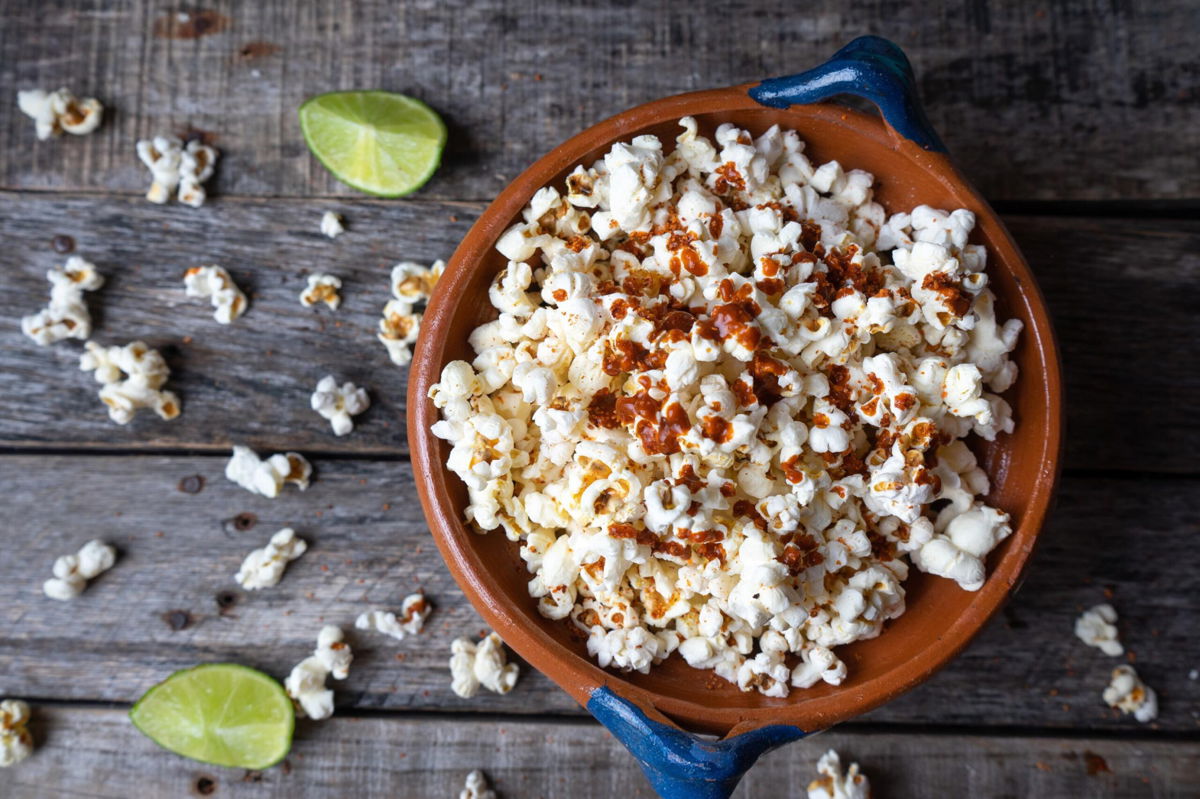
x=941 y=618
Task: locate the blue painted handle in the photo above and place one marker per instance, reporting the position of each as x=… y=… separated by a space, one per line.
x=869 y=67
x=678 y=764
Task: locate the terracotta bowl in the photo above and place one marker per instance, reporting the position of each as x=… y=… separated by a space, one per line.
x=647 y=711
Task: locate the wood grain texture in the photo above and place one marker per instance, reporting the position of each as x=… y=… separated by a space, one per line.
x=171 y=600
x=1121 y=292
x=1070 y=100
x=97 y=753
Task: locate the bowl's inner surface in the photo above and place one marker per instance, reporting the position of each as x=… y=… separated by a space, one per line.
x=1015 y=464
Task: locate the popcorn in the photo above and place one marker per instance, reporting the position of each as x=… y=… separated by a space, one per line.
x=833 y=784
x=306 y=683
x=175 y=167
x=16 y=742
x=482 y=664
x=1098 y=627
x=267 y=477
x=71 y=572
x=331 y=224
x=264 y=567
x=721 y=396
x=55 y=112
x=67 y=315
x=1129 y=694
x=322 y=288
x=477 y=787
x=133 y=378
x=398 y=329
x=413 y=612
x=214 y=282
x=338 y=403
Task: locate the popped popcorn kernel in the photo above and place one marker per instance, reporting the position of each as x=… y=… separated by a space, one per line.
x=413 y=612
x=176 y=167
x=55 y=112
x=306 y=682
x=215 y=283
x=1129 y=694
x=264 y=567
x=477 y=787
x=481 y=664
x=133 y=378
x=331 y=224
x=72 y=572
x=339 y=403
x=267 y=477
x=1097 y=627
x=412 y=284
x=833 y=784
x=16 y=742
x=67 y=314
x=322 y=288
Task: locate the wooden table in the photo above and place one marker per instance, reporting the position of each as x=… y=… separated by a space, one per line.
x=1080 y=121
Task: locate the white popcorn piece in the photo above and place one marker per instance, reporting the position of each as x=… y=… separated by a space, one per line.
x=1097 y=627
x=16 y=742
x=331 y=224
x=133 y=378
x=306 y=682
x=179 y=168
x=1129 y=694
x=401 y=323
x=413 y=612
x=72 y=572
x=322 y=288
x=55 y=112
x=264 y=567
x=339 y=403
x=481 y=664
x=267 y=477
x=833 y=784
x=477 y=787
x=215 y=283
x=67 y=315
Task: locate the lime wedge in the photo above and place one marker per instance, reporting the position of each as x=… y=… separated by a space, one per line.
x=219 y=713
x=377 y=142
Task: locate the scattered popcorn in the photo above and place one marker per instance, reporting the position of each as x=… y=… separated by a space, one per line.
x=1098 y=627
x=133 y=378
x=55 y=112
x=322 y=288
x=477 y=787
x=16 y=743
x=413 y=612
x=306 y=684
x=267 y=477
x=214 y=282
x=412 y=284
x=338 y=403
x=175 y=167
x=331 y=225
x=722 y=405
x=484 y=663
x=1129 y=694
x=832 y=784
x=71 y=572
x=67 y=315
x=264 y=567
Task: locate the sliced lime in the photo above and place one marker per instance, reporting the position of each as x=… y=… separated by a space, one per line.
x=219 y=713
x=377 y=142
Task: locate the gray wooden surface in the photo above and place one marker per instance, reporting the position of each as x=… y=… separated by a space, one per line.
x=1044 y=107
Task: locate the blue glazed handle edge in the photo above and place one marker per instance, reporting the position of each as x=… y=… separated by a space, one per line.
x=678 y=764
x=869 y=67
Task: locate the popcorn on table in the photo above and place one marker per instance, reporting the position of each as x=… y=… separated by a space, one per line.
x=1129 y=694
x=1098 y=627
x=331 y=224
x=833 y=784
x=71 y=572
x=16 y=742
x=477 y=787
x=306 y=683
x=482 y=664
x=721 y=397
x=267 y=477
x=413 y=612
x=55 y=112
x=339 y=403
x=322 y=288
x=401 y=323
x=67 y=315
x=215 y=283
x=133 y=378
x=264 y=567
x=179 y=168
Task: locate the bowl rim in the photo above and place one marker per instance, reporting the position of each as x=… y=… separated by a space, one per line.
x=579 y=677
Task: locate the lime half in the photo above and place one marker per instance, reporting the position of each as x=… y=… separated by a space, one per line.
x=219 y=713
x=378 y=142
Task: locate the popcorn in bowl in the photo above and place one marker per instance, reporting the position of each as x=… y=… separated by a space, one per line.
x=722 y=408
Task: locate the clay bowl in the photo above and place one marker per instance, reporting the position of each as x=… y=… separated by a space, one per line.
x=905 y=156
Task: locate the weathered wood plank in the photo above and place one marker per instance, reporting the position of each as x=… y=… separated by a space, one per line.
x=97 y=753
x=1072 y=100
x=171 y=601
x=1121 y=292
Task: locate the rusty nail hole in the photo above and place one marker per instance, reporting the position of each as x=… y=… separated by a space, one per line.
x=206 y=786
x=192 y=484
x=226 y=599
x=287 y=767
x=244 y=521
x=63 y=244
x=177 y=619
x=252 y=776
